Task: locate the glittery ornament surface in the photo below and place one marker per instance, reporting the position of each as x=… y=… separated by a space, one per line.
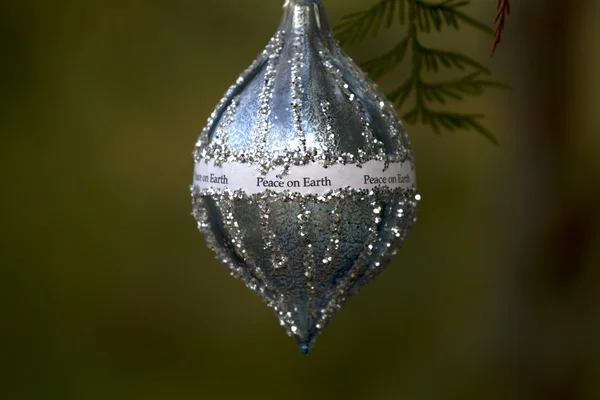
x=304 y=110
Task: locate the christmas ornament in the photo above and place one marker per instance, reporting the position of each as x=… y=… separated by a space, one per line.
x=304 y=181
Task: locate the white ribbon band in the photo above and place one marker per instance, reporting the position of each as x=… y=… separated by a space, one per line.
x=306 y=179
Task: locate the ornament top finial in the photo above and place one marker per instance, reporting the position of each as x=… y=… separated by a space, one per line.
x=287 y=2
x=303 y=15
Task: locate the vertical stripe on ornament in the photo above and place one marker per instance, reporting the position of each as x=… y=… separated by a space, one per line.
x=200 y=213
x=219 y=147
x=373 y=148
x=332 y=141
x=265 y=97
x=259 y=284
x=341 y=292
x=333 y=246
x=278 y=258
x=204 y=139
x=309 y=254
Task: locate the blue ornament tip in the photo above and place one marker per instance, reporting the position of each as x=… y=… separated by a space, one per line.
x=304 y=348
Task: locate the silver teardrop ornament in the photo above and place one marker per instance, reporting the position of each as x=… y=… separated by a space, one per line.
x=304 y=181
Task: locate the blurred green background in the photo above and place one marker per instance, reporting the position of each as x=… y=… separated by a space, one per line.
x=108 y=290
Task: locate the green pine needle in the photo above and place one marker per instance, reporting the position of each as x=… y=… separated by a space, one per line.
x=424 y=17
x=432 y=58
x=356 y=27
x=378 y=67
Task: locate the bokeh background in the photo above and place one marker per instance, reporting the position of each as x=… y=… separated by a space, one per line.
x=108 y=291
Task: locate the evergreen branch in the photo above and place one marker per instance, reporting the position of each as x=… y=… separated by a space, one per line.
x=456 y=90
x=449 y=12
x=355 y=27
x=503 y=11
x=381 y=65
x=449 y=121
x=433 y=57
x=428 y=14
x=424 y=17
x=399 y=96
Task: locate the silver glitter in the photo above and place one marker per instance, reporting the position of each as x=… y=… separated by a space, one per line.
x=223 y=252
x=372 y=149
x=309 y=257
x=342 y=291
x=334 y=242
x=328 y=136
x=278 y=258
x=204 y=138
x=297 y=89
x=266 y=96
x=222 y=133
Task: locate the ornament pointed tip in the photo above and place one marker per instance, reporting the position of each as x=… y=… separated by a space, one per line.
x=304 y=348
